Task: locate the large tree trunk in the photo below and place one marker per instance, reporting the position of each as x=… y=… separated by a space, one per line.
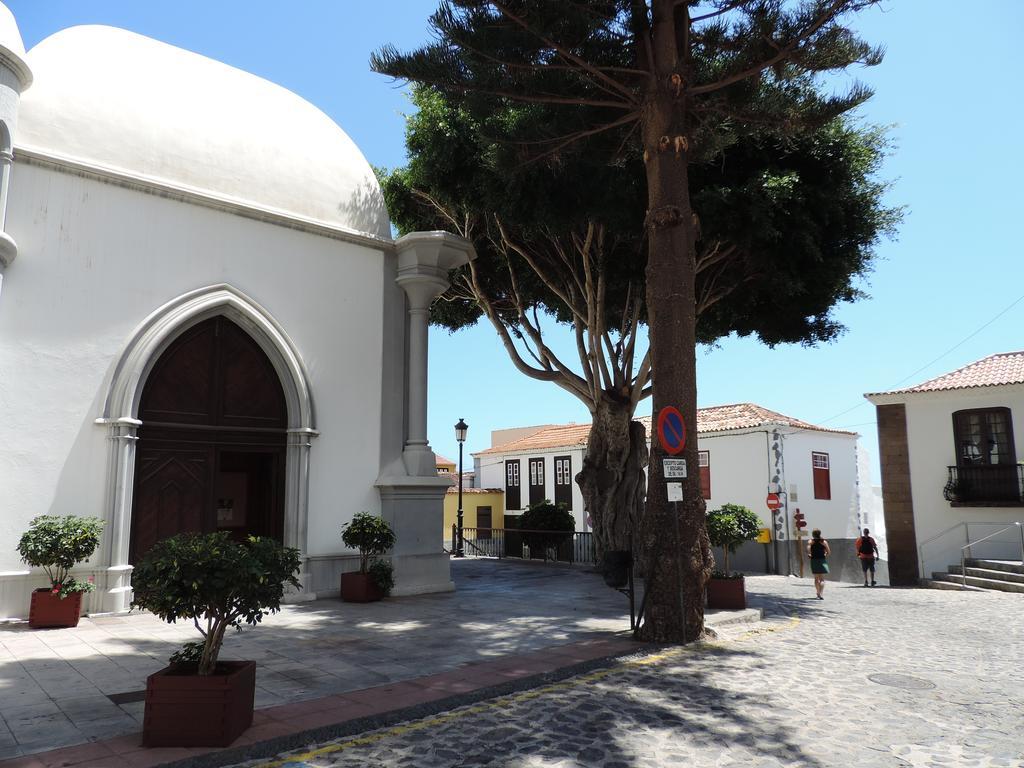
x=675 y=534
x=612 y=479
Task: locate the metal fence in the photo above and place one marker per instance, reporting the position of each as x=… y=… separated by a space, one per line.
x=985 y=483
x=574 y=547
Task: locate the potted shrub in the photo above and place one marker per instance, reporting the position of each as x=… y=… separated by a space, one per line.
x=58 y=544
x=218 y=583
x=729 y=527
x=372 y=536
x=546 y=527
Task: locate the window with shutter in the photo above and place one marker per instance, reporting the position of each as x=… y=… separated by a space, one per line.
x=704 y=460
x=512 y=497
x=536 y=481
x=563 y=481
x=822 y=481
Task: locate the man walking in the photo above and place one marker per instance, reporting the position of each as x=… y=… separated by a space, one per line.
x=867 y=551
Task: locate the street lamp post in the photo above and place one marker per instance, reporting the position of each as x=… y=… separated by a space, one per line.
x=460 y=434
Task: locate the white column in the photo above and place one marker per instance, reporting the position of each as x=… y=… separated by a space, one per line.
x=424 y=260
x=116 y=585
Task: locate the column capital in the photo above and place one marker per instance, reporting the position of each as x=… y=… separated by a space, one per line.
x=424 y=260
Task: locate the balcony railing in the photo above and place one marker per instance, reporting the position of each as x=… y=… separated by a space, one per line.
x=1000 y=484
x=575 y=547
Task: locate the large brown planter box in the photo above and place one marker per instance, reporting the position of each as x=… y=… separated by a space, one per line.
x=184 y=709
x=359 y=587
x=727 y=593
x=48 y=610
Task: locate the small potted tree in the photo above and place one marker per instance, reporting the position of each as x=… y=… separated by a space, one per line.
x=58 y=544
x=218 y=583
x=372 y=536
x=729 y=527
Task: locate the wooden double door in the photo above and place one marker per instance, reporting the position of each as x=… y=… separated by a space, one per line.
x=211 y=450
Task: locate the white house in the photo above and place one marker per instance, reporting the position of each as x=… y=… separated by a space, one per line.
x=745 y=451
x=204 y=321
x=950 y=470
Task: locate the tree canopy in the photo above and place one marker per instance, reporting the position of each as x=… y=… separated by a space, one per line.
x=672 y=84
x=789 y=221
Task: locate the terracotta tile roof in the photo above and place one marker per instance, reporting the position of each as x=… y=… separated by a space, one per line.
x=441 y=461
x=567 y=435
x=719 y=418
x=991 y=371
x=455 y=489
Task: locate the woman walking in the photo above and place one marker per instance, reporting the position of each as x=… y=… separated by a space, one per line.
x=818 y=550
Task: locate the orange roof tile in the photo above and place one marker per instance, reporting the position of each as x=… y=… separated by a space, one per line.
x=991 y=371
x=719 y=418
x=455 y=489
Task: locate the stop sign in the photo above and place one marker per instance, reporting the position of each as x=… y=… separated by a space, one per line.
x=773 y=501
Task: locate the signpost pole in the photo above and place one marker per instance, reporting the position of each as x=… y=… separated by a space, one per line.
x=672 y=437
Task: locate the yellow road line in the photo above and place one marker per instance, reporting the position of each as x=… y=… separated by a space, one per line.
x=510 y=699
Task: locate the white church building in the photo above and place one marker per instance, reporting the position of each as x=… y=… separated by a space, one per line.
x=204 y=321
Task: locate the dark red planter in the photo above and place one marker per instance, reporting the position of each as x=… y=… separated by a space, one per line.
x=359 y=587
x=184 y=709
x=727 y=593
x=48 y=610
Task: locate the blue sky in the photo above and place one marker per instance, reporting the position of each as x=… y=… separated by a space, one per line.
x=950 y=93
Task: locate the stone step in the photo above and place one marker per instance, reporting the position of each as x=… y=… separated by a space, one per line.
x=942 y=584
x=990 y=585
x=997 y=565
x=990 y=573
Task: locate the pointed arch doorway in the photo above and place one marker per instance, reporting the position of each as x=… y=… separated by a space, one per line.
x=211 y=446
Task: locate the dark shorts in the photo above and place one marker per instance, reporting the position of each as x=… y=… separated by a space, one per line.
x=818 y=565
x=867 y=564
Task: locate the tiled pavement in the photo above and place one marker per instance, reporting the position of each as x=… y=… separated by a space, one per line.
x=319 y=663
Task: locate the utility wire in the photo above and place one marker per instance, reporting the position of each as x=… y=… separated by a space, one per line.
x=959 y=344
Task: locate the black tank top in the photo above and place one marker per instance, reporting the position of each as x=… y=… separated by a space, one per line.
x=817 y=548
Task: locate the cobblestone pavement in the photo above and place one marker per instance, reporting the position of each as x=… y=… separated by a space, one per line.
x=866 y=677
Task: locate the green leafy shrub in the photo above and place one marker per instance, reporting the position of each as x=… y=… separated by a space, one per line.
x=216 y=582
x=729 y=527
x=57 y=544
x=371 y=535
x=546 y=525
x=383 y=575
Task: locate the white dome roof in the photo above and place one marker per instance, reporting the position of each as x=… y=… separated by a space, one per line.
x=115 y=99
x=12 y=49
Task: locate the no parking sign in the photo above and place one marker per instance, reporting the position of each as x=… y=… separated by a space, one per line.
x=671 y=430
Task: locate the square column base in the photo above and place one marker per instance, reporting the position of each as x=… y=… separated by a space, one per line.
x=414 y=507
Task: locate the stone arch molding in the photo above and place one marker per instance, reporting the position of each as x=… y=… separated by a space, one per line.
x=121 y=408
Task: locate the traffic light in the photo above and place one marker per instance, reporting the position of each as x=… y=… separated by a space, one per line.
x=798 y=520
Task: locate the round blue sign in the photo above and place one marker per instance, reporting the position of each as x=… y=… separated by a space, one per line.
x=671 y=430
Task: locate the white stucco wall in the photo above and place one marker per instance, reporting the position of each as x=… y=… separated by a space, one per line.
x=490 y=470
x=931 y=447
x=94 y=260
x=739 y=475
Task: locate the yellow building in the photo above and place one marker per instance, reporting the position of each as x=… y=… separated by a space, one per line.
x=482 y=508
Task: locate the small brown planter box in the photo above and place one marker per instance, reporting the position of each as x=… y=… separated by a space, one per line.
x=48 y=610
x=188 y=710
x=359 y=587
x=727 y=593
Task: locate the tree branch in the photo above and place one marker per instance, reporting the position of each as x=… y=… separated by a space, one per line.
x=584 y=65
x=784 y=52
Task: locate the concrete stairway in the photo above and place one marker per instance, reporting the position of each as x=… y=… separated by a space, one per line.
x=982 y=576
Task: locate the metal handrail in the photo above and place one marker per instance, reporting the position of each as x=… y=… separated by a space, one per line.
x=963 y=549
x=967 y=537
